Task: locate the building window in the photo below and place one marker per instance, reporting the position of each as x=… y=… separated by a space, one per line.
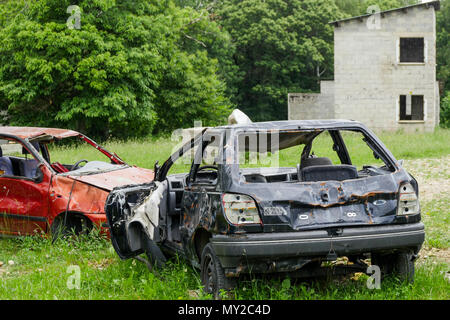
x=412 y=50
x=411 y=107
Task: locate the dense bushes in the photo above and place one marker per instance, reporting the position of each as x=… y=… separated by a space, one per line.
x=134 y=67
x=137 y=67
x=281 y=46
x=443 y=58
x=445 y=111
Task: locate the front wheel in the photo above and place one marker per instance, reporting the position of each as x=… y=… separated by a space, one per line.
x=212 y=274
x=70 y=224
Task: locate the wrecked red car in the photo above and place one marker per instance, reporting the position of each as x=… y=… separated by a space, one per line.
x=37 y=193
x=238 y=211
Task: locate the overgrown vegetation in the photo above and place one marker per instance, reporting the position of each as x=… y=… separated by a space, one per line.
x=133 y=67
x=39 y=270
x=146 y=67
x=36 y=268
x=145 y=152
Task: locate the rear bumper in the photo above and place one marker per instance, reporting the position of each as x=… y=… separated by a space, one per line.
x=238 y=250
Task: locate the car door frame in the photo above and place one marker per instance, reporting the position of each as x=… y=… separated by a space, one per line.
x=120 y=241
x=197 y=198
x=43 y=179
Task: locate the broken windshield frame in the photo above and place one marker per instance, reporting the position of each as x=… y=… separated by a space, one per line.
x=305 y=139
x=45 y=140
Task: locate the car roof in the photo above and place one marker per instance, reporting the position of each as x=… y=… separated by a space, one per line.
x=297 y=124
x=33 y=132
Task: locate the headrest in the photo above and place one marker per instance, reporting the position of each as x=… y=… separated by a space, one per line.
x=35 y=145
x=320 y=161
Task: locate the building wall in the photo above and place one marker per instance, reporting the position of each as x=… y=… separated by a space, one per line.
x=369 y=78
x=309 y=106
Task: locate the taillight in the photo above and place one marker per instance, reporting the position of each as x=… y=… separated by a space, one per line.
x=407 y=201
x=240 y=209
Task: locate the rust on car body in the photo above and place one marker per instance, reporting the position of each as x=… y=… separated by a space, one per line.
x=37 y=194
x=270 y=218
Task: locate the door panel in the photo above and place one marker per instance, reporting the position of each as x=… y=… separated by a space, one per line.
x=23 y=205
x=133 y=216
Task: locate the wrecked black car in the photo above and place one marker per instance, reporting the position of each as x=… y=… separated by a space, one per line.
x=236 y=210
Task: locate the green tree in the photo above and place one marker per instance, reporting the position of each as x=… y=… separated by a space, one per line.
x=352 y=8
x=281 y=46
x=207 y=33
x=445 y=110
x=443 y=58
x=126 y=71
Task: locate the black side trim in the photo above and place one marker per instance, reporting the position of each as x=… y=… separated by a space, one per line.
x=22 y=217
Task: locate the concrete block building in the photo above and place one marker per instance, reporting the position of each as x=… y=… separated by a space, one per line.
x=384 y=72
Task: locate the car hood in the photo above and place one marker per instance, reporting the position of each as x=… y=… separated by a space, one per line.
x=116 y=178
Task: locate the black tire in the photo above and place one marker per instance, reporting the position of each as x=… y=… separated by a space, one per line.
x=58 y=229
x=212 y=274
x=400 y=264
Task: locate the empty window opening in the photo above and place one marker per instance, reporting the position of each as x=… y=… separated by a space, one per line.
x=307 y=155
x=411 y=107
x=411 y=50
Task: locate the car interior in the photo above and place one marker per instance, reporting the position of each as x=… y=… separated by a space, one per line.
x=205 y=174
x=77 y=165
x=311 y=167
x=16 y=161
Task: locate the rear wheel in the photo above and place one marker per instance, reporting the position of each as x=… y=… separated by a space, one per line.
x=400 y=264
x=212 y=274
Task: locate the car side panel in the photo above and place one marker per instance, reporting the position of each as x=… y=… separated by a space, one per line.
x=202 y=210
x=66 y=194
x=24 y=204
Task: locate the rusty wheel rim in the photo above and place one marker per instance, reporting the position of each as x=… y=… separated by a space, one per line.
x=208 y=275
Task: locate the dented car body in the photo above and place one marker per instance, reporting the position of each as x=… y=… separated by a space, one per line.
x=38 y=194
x=229 y=215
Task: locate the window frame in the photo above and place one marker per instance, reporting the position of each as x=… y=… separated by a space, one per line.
x=399 y=51
x=199 y=156
x=39 y=159
x=399 y=108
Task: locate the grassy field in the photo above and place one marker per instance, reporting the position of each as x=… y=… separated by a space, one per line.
x=144 y=152
x=36 y=268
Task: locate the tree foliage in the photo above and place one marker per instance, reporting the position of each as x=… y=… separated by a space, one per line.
x=140 y=66
x=352 y=8
x=281 y=46
x=443 y=59
x=134 y=67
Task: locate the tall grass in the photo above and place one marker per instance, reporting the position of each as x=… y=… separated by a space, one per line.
x=39 y=268
x=145 y=152
x=40 y=271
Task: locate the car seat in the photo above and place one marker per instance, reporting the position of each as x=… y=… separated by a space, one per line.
x=5 y=164
x=28 y=168
x=325 y=173
x=255 y=178
x=319 y=161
